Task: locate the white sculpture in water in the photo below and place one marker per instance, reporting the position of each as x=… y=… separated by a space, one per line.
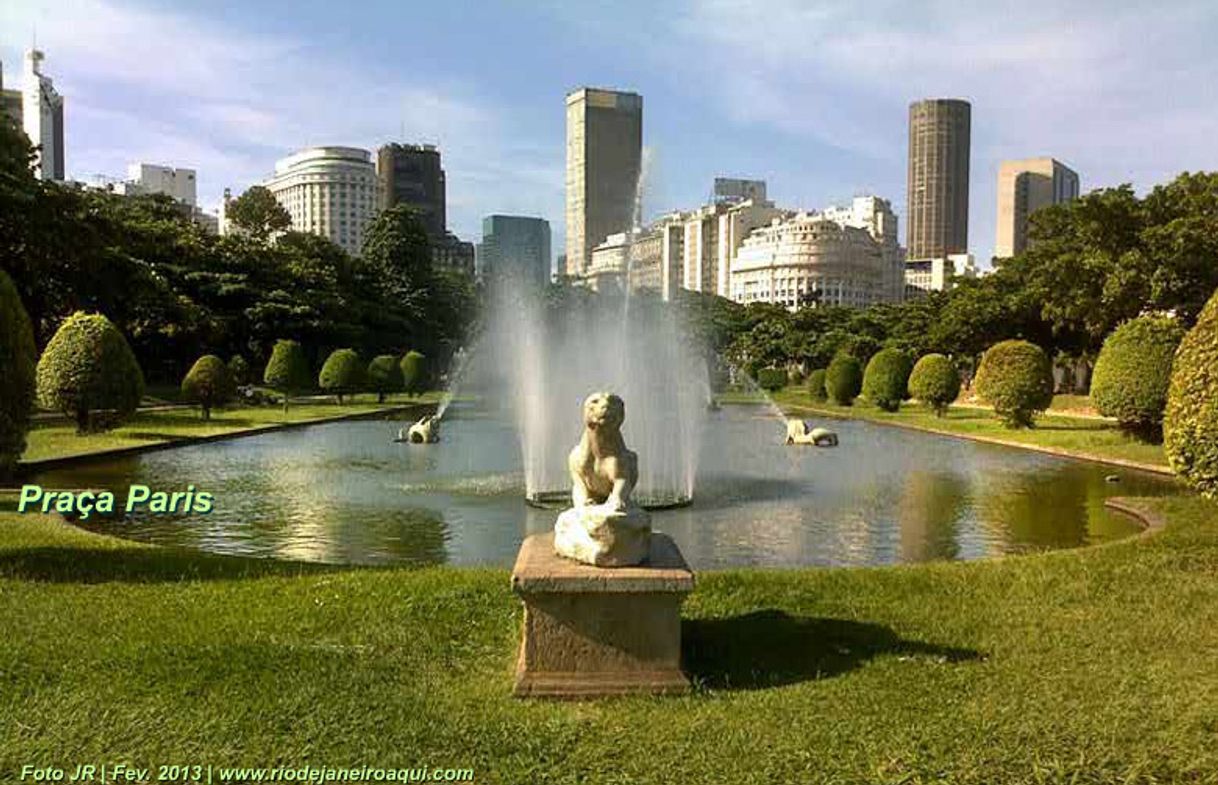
x=798 y=433
x=425 y=431
x=603 y=528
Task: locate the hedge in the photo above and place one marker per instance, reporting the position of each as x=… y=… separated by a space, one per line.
x=239 y=370
x=844 y=379
x=1016 y=378
x=342 y=372
x=816 y=385
x=18 y=360
x=771 y=379
x=935 y=381
x=89 y=373
x=886 y=380
x=1133 y=372
x=209 y=383
x=1190 y=424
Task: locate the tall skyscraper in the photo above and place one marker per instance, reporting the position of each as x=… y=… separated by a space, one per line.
x=1023 y=188
x=515 y=245
x=42 y=118
x=328 y=191
x=604 y=156
x=412 y=174
x=937 y=197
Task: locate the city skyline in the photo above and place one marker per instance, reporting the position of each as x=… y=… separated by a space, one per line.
x=229 y=98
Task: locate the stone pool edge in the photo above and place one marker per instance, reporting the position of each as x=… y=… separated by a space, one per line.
x=1163 y=471
x=26 y=468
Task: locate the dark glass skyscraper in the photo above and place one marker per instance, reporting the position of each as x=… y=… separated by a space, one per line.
x=937 y=199
x=411 y=174
x=515 y=245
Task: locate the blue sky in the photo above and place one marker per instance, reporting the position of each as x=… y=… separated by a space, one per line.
x=811 y=96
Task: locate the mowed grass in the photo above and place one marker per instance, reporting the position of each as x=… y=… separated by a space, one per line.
x=1093 y=666
x=58 y=439
x=1083 y=436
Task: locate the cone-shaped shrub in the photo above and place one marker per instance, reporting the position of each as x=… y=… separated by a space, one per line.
x=1133 y=372
x=935 y=382
x=844 y=379
x=288 y=370
x=18 y=359
x=239 y=370
x=886 y=380
x=414 y=373
x=1016 y=378
x=1190 y=425
x=342 y=373
x=89 y=373
x=209 y=383
x=384 y=376
x=816 y=385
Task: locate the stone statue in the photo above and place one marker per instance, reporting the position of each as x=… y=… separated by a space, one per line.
x=425 y=431
x=603 y=528
x=798 y=433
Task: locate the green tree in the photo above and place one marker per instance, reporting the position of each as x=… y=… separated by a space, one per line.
x=844 y=379
x=18 y=357
x=209 y=383
x=935 y=381
x=258 y=213
x=1190 y=426
x=239 y=370
x=1133 y=372
x=414 y=373
x=816 y=385
x=1016 y=378
x=886 y=379
x=385 y=376
x=343 y=372
x=89 y=373
x=288 y=370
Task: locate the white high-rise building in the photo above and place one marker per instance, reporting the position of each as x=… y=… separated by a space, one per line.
x=713 y=235
x=42 y=118
x=179 y=184
x=328 y=191
x=876 y=216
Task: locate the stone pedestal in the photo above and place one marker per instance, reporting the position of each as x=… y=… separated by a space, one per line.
x=596 y=631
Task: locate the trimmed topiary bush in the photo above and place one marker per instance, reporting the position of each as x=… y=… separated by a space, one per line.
x=342 y=372
x=1016 y=378
x=209 y=383
x=88 y=369
x=1190 y=424
x=384 y=376
x=414 y=373
x=844 y=379
x=1133 y=373
x=816 y=385
x=771 y=379
x=18 y=359
x=288 y=370
x=239 y=370
x=886 y=380
x=935 y=382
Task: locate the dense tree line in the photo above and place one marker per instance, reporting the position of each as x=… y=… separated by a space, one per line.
x=177 y=292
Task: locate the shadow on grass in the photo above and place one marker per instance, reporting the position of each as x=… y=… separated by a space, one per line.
x=771 y=648
x=142 y=565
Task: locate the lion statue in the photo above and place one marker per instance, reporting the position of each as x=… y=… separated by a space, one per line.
x=602 y=527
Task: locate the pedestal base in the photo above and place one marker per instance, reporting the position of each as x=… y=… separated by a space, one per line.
x=596 y=631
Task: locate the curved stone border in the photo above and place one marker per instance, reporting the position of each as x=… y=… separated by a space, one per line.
x=1057 y=451
x=27 y=468
x=1150 y=520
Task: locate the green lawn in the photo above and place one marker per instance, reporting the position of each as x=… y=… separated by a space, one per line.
x=1085 y=436
x=1093 y=666
x=59 y=439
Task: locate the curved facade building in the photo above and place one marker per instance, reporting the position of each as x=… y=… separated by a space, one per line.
x=809 y=259
x=328 y=191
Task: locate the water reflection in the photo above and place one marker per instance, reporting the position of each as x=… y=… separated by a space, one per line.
x=345 y=493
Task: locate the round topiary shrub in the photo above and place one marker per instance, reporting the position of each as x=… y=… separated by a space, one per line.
x=288 y=369
x=1133 y=373
x=935 y=382
x=239 y=370
x=816 y=385
x=1190 y=424
x=414 y=373
x=886 y=380
x=209 y=383
x=844 y=379
x=18 y=359
x=342 y=372
x=771 y=379
x=384 y=376
x=1016 y=378
x=87 y=370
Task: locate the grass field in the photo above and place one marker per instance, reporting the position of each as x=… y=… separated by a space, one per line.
x=1083 y=436
x=1093 y=666
x=59 y=439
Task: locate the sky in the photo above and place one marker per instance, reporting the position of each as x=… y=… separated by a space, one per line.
x=811 y=96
